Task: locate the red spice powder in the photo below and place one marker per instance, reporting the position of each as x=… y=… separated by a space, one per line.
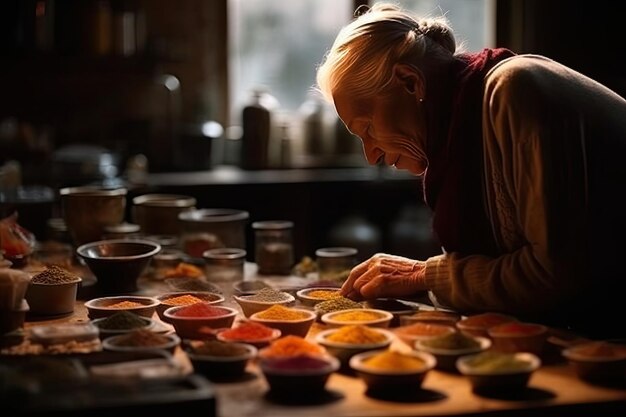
x=517 y=328
x=201 y=310
x=302 y=362
x=248 y=331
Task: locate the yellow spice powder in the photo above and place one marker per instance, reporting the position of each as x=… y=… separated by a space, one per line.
x=183 y=300
x=356 y=316
x=356 y=334
x=324 y=294
x=125 y=304
x=391 y=360
x=280 y=312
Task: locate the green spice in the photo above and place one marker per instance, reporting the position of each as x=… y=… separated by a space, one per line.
x=336 y=304
x=122 y=320
x=456 y=340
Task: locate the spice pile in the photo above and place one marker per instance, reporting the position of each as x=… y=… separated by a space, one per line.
x=248 y=331
x=336 y=304
x=217 y=348
x=357 y=316
x=123 y=320
x=201 y=310
x=280 y=312
x=54 y=275
x=142 y=338
x=291 y=346
x=182 y=300
x=391 y=360
x=125 y=304
x=357 y=335
x=268 y=295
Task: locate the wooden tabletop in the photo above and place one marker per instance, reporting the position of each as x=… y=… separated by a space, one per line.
x=553 y=389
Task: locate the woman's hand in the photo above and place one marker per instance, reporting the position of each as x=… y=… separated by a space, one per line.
x=384 y=275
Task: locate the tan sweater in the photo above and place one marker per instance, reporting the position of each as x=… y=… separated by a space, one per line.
x=547 y=131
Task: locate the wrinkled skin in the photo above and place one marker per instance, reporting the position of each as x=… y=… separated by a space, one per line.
x=384 y=276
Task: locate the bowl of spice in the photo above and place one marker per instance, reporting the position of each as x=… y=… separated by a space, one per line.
x=289 y=320
x=141 y=340
x=249 y=332
x=184 y=298
x=335 y=304
x=199 y=320
x=298 y=377
x=389 y=370
x=477 y=324
x=411 y=333
x=263 y=299
x=447 y=348
x=346 y=341
x=498 y=371
x=106 y=306
x=516 y=336
x=601 y=362
x=288 y=346
x=219 y=361
x=364 y=316
x=431 y=316
x=311 y=296
x=121 y=322
x=52 y=291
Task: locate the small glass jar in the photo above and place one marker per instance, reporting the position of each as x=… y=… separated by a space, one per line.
x=334 y=264
x=273 y=240
x=224 y=264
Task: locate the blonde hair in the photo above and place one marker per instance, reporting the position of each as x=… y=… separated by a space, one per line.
x=361 y=59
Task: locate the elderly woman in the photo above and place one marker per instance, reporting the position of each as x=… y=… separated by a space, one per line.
x=522 y=165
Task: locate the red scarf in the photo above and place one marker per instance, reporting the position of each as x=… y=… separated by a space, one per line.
x=453 y=182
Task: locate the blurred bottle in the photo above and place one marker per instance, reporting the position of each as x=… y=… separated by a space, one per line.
x=313 y=114
x=256 y=124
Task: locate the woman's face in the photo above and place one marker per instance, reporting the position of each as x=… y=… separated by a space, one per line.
x=392 y=128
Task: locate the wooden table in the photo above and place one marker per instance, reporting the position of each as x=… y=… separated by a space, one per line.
x=553 y=390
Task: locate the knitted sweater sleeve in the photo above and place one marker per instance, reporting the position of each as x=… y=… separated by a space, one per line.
x=534 y=180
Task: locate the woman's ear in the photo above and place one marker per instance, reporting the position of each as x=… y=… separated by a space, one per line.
x=410 y=78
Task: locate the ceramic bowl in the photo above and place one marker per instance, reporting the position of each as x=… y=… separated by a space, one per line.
x=118 y=263
x=478 y=324
x=52 y=299
x=106 y=306
x=344 y=351
x=177 y=298
x=200 y=326
x=220 y=361
x=137 y=341
x=409 y=334
x=297 y=326
x=249 y=305
x=313 y=295
x=519 y=337
x=498 y=371
x=364 y=316
x=599 y=362
x=298 y=376
x=392 y=380
x=448 y=348
x=431 y=316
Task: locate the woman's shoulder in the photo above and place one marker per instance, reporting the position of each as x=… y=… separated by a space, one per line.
x=525 y=69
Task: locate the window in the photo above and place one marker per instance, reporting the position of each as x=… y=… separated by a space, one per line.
x=278 y=44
